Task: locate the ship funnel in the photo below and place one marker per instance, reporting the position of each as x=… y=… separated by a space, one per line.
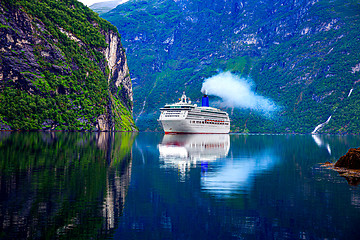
x=205 y=101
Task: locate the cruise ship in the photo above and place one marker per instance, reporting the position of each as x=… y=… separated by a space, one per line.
x=185 y=117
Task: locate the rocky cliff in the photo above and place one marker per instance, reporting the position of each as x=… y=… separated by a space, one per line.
x=62 y=68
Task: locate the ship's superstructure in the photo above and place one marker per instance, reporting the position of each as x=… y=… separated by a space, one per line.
x=184 y=117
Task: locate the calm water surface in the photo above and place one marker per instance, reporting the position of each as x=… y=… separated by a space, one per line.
x=151 y=186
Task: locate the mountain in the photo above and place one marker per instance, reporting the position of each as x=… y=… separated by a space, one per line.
x=62 y=68
x=302 y=55
x=104 y=7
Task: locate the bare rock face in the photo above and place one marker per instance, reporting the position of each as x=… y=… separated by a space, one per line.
x=119 y=77
x=20 y=41
x=103 y=123
x=351 y=160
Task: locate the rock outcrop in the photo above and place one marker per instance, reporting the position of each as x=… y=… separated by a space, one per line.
x=351 y=160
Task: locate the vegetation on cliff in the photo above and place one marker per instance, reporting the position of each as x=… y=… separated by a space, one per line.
x=54 y=73
x=303 y=55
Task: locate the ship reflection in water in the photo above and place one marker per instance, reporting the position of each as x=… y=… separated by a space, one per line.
x=221 y=175
x=184 y=151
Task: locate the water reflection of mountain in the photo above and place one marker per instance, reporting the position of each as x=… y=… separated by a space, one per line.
x=183 y=150
x=63 y=185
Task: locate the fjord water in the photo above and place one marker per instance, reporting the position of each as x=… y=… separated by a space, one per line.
x=150 y=186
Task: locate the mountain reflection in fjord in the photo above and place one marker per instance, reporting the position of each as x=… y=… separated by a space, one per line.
x=238 y=187
x=63 y=185
x=93 y=186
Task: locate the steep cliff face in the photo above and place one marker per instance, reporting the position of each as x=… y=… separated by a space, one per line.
x=302 y=54
x=62 y=68
x=119 y=71
x=119 y=81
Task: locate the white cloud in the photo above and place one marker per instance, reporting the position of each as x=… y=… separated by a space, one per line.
x=91 y=2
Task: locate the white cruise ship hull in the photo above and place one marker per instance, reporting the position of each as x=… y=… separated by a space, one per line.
x=184 y=117
x=184 y=126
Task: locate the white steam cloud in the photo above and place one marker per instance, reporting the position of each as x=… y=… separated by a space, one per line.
x=237 y=92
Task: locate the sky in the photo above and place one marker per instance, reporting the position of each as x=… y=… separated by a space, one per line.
x=91 y=2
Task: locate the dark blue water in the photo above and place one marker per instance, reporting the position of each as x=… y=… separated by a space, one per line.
x=151 y=186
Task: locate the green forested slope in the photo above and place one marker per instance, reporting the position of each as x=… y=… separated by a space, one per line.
x=303 y=55
x=313 y=72
x=54 y=73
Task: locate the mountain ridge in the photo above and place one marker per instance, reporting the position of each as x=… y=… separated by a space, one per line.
x=289 y=50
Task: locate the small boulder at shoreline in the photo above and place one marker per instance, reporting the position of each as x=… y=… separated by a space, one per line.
x=351 y=160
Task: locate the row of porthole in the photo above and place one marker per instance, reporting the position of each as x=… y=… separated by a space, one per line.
x=210 y=122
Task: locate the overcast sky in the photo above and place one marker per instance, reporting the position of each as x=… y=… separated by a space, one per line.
x=91 y=2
